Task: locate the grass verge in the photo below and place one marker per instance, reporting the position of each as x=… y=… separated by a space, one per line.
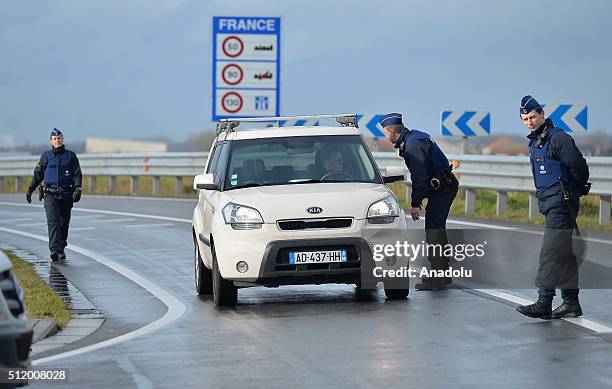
x=41 y=301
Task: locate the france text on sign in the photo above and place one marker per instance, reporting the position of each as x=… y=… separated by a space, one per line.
x=465 y=123
x=569 y=117
x=246 y=67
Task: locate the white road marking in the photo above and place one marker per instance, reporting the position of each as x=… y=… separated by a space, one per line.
x=16 y=220
x=484 y=225
x=82 y=228
x=175 y=307
x=579 y=321
x=173 y=199
x=112 y=220
x=32 y=224
x=102 y=211
x=148 y=225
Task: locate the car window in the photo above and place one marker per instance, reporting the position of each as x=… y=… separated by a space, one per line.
x=219 y=170
x=212 y=165
x=295 y=160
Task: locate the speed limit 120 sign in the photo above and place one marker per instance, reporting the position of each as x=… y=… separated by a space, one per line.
x=246 y=67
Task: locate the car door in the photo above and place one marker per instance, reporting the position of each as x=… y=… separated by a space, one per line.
x=210 y=198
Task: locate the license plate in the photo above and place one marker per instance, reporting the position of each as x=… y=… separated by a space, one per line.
x=305 y=257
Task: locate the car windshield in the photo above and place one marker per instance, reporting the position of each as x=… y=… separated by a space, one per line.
x=299 y=160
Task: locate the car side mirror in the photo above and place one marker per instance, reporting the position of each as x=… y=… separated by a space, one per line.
x=394 y=174
x=205 y=182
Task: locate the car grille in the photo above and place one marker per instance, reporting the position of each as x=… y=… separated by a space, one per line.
x=309 y=224
x=12 y=294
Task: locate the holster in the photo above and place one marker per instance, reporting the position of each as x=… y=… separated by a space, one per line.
x=442 y=179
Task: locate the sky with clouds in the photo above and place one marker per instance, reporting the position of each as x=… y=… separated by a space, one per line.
x=142 y=68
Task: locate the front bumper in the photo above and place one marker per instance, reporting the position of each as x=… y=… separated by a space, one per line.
x=266 y=251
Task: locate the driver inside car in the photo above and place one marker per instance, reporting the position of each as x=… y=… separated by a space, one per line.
x=333 y=162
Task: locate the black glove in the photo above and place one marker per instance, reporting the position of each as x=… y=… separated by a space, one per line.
x=29 y=196
x=76 y=195
x=584 y=190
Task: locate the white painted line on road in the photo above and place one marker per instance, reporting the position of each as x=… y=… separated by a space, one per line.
x=16 y=220
x=173 y=219
x=173 y=199
x=32 y=224
x=175 y=307
x=541 y=233
x=112 y=220
x=579 y=321
x=82 y=228
x=485 y=225
x=102 y=211
x=148 y=225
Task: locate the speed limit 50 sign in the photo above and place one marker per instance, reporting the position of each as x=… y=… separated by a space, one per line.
x=246 y=67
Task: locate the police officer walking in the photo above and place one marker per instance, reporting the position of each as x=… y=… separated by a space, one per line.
x=560 y=174
x=60 y=170
x=432 y=178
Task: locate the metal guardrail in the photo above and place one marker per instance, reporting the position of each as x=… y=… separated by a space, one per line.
x=500 y=173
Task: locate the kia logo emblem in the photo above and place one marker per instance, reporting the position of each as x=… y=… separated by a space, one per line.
x=314 y=210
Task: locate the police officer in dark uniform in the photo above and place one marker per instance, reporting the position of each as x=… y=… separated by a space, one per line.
x=60 y=170
x=432 y=178
x=560 y=174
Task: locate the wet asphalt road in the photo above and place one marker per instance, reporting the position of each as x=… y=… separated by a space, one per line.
x=309 y=336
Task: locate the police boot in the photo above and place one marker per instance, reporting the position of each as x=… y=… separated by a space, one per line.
x=569 y=308
x=432 y=283
x=61 y=255
x=54 y=256
x=541 y=309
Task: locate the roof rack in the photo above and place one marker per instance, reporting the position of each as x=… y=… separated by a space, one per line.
x=345 y=120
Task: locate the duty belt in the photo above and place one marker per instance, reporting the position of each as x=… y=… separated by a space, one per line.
x=57 y=189
x=441 y=179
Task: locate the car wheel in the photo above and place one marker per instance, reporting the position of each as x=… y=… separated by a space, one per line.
x=396 y=294
x=225 y=293
x=203 y=275
x=397 y=289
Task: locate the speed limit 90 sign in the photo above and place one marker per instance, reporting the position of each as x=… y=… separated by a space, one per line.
x=232 y=74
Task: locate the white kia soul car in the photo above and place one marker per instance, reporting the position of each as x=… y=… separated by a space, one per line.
x=290 y=205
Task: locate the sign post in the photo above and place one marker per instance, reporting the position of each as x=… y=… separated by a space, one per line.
x=246 y=67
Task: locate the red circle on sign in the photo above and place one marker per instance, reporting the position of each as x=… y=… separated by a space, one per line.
x=224 y=105
x=229 y=40
x=238 y=69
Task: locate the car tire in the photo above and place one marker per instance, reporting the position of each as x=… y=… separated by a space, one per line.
x=203 y=275
x=397 y=289
x=396 y=294
x=225 y=293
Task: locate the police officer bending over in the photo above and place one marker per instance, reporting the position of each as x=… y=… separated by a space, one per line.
x=60 y=170
x=432 y=178
x=560 y=174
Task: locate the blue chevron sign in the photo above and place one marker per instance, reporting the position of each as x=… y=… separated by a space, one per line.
x=569 y=117
x=368 y=124
x=465 y=123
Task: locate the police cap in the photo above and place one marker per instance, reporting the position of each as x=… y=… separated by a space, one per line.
x=528 y=104
x=390 y=119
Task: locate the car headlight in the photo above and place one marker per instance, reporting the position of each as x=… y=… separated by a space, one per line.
x=383 y=211
x=242 y=217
